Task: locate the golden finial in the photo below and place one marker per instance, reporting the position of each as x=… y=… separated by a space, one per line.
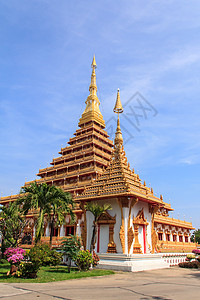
x=92 y=111
x=144 y=183
x=118 y=109
x=94 y=65
x=118 y=106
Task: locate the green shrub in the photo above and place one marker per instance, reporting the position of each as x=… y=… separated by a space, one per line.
x=3 y=261
x=190 y=257
x=43 y=255
x=84 y=260
x=95 y=258
x=70 y=247
x=56 y=258
x=190 y=264
x=28 y=269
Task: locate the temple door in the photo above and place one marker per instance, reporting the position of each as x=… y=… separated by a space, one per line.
x=105 y=234
x=103 y=238
x=140 y=224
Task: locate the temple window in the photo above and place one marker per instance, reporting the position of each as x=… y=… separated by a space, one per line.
x=174 y=238
x=160 y=236
x=168 y=237
x=69 y=230
x=180 y=238
x=186 y=239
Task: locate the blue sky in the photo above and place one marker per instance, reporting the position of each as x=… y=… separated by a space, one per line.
x=150 y=47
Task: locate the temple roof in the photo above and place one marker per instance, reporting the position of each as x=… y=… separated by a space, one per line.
x=118 y=179
x=173 y=222
x=92 y=111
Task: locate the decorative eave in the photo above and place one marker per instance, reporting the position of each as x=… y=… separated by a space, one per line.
x=173 y=222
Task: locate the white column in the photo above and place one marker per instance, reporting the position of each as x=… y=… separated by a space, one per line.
x=47 y=230
x=62 y=231
x=90 y=219
x=126 y=215
x=78 y=228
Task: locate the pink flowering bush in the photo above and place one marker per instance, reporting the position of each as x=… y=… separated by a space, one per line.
x=196 y=251
x=14 y=255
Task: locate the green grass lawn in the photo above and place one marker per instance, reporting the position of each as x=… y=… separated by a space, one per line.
x=48 y=274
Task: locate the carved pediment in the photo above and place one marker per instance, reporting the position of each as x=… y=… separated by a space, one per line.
x=140 y=219
x=106 y=218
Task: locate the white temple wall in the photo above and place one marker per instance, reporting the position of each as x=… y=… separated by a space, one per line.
x=47 y=233
x=140 y=238
x=89 y=219
x=78 y=228
x=62 y=231
x=104 y=238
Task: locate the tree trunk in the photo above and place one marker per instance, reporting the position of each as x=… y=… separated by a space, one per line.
x=92 y=246
x=69 y=265
x=51 y=231
x=3 y=247
x=39 y=227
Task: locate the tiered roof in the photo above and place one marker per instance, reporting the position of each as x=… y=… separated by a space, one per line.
x=160 y=219
x=90 y=169
x=118 y=179
x=87 y=153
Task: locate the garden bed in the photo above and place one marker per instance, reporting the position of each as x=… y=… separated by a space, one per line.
x=50 y=274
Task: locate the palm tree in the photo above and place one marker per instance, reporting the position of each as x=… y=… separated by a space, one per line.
x=97 y=210
x=12 y=226
x=43 y=199
x=62 y=204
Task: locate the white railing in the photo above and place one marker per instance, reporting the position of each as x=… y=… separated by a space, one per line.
x=173 y=259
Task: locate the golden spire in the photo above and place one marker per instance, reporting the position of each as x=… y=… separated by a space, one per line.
x=118 y=106
x=94 y=62
x=118 y=109
x=92 y=111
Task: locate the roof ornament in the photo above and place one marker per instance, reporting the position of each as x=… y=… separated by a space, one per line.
x=92 y=111
x=94 y=65
x=118 y=109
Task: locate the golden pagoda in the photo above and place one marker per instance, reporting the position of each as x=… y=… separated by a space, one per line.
x=86 y=155
x=91 y=168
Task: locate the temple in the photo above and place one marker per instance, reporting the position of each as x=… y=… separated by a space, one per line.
x=92 y=168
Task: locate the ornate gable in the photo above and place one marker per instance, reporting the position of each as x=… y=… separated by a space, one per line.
x=106 y=218
x=140 y=219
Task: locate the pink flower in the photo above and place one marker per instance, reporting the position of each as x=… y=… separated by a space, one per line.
x=14 y=255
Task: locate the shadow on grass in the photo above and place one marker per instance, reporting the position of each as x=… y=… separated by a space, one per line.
x=4 y=276
x=61 y=270
x=7 y=267
x=3 y=271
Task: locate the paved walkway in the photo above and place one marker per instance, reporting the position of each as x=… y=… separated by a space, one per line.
x=165 y=284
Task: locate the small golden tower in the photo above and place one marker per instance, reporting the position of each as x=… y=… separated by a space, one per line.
x=92 y=111
x=118 y=109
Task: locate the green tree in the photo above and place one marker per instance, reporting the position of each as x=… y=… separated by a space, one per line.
x=47 y=201
x=97 y=210
x=196 y=236
x=70 y=247
x=61 y=204
x=12 y=224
